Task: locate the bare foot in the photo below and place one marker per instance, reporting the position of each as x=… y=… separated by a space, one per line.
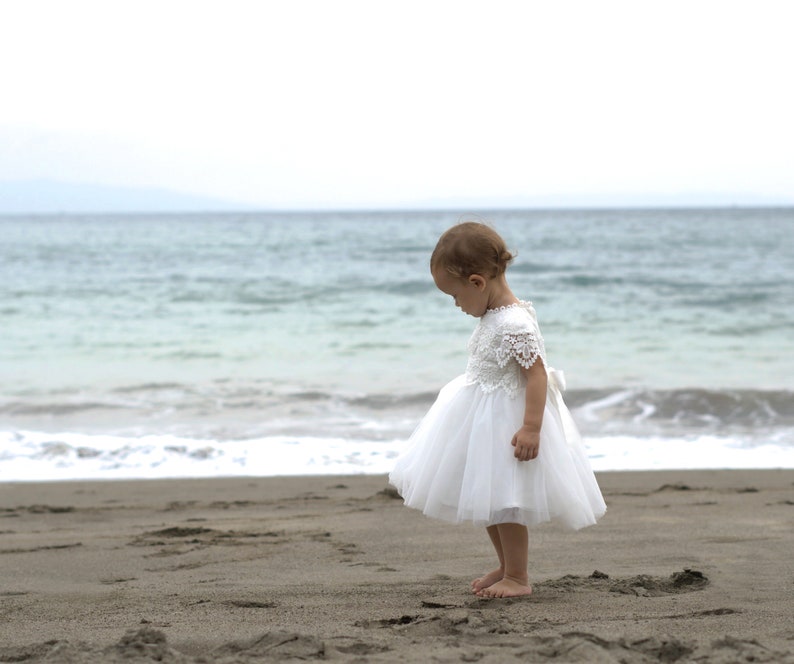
x=488 y=580
x=507 y=587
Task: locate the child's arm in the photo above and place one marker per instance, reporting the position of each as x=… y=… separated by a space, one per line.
x=527 y=438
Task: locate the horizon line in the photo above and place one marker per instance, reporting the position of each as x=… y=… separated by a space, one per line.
x=253 y=210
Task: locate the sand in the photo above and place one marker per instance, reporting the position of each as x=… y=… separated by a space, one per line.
x=685 y=567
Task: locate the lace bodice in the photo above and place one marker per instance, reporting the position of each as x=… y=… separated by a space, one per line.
x=505 y=340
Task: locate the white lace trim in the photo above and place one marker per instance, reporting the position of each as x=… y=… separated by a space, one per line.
x=520 y=303
x=524 y=348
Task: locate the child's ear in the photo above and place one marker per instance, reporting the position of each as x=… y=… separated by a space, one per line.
x=477 y=281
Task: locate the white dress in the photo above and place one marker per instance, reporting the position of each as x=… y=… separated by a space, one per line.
x=459 y=464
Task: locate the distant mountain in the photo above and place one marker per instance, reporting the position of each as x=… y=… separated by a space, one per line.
x=52 y=197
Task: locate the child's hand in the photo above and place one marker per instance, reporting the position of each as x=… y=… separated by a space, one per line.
x=527 y=443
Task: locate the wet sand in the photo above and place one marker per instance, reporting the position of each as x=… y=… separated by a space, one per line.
x=689 y=566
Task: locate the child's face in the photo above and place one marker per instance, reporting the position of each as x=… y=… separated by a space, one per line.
x=469 y=294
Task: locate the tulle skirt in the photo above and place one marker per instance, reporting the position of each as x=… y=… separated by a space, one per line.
x=459 y=464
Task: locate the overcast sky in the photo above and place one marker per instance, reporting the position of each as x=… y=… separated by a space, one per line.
x=379 y=103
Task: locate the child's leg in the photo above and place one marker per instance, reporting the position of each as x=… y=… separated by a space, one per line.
x=514 y=542
x=492 y=577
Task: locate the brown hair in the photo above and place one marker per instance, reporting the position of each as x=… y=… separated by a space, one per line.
x=471 y=248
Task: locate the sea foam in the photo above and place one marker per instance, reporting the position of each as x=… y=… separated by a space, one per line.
x=37 y=456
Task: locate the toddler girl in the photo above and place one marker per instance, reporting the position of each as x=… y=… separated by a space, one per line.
x=498 y=447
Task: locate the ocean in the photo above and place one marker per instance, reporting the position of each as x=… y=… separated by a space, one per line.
x=197 y=345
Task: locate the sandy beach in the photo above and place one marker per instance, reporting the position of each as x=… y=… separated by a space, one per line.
x=687 y=566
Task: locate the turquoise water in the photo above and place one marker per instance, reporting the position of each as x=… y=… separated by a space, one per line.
x=282 y=327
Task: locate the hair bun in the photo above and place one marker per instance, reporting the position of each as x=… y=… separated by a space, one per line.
x=506 y=257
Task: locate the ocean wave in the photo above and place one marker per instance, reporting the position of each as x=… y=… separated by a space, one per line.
x=687 y=409
x=39 y=456
x=147 y=387
x=415 y=287
x=55 y=409
x=189 y=355
x=726 y=301
x=683 y=406
x=588 y=280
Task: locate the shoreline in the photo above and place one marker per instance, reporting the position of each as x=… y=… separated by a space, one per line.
x=334 y=567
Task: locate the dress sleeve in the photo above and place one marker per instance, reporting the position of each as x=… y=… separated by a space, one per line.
x=524 y=347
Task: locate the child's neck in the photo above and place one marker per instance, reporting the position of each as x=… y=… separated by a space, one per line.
x=499 y=294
